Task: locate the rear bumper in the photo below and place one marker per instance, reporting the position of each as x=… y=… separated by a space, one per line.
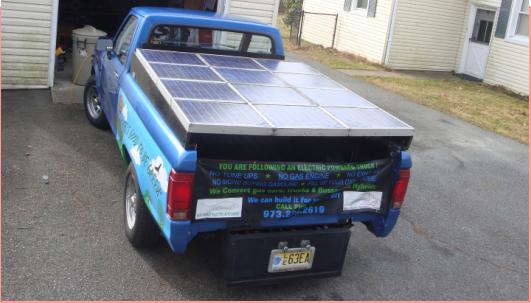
x=246 y=255
x=181 y=233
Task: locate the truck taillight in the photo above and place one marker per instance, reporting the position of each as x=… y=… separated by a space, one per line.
x=180 y=186
x=399 y=192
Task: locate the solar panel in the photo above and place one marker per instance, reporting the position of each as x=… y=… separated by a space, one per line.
x=234 y=62
x=236 y=95
x=201 y=90
x=287 y=67
x=244 y=76
x=308 y=81
x=333 y=97
x=161 y=56
x=297 y=117
x=221 y=113
x=185 y=72
x=272 y=95
x=366 y=118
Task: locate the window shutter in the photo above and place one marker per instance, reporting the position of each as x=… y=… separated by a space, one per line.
x=371 y=9
x=348 y=5
x=503 y=18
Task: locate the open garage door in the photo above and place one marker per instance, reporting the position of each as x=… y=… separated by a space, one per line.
x=107 y=15
x=104 y=15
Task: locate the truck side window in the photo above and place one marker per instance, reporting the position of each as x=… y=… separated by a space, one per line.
x=123 y=41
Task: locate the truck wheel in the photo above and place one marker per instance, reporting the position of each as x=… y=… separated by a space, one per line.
x=93 y=108
x=140 y=227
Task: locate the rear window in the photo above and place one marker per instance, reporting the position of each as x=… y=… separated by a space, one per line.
x=193 y=38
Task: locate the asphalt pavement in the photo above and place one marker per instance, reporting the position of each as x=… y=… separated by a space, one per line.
x=462 y=235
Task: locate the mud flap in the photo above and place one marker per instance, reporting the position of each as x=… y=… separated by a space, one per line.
x=247 y=255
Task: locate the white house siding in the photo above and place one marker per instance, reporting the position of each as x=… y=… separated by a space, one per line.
x=427 y=34
x=26 y=28
x=356 y=33
x=265 y=11
x=261 y=10
x=319 y=29
x=508 y=66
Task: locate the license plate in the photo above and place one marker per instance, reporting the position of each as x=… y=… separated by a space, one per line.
x=291 y=259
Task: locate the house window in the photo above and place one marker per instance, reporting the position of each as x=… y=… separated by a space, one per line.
x=522 y=23
x=361 y=7
x=519 y=29
x=361 y=4
x=483 y=26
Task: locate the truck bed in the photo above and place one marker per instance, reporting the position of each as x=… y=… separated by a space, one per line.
x=229 y=95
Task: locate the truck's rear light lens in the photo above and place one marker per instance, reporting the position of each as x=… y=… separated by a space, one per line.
x=180 y=187
x=399 y=192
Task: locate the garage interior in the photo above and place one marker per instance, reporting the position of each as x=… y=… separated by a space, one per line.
x=104 y=15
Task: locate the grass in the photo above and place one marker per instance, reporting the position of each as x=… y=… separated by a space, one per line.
x=488 y=107
x=326 y=56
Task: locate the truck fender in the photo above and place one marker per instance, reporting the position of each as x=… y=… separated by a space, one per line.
x=381 y=226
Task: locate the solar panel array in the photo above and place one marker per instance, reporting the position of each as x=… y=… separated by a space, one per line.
x=240 y=95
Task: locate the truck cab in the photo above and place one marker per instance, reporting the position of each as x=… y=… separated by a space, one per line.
x=194 y=100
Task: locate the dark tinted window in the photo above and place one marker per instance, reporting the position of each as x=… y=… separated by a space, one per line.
x=172 y=36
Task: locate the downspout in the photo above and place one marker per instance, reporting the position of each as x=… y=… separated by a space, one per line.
x=223 y=7
x=275 y=12
x=390 y=32
x=53 y=40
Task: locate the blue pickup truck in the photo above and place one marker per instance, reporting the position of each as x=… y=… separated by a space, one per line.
x=224 y=139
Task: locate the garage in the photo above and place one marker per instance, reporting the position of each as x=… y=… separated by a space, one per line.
x=32 y=31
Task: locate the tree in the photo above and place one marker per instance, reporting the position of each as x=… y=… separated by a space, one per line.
x=293 y=10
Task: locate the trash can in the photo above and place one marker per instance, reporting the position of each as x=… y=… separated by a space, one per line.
x=84 y=40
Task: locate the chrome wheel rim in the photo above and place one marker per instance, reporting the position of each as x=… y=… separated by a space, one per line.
x=93 y=103
x=131 y=198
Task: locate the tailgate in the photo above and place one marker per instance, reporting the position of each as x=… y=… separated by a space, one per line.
x=249 y=193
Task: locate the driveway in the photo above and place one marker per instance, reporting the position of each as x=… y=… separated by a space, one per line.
x=463 y=233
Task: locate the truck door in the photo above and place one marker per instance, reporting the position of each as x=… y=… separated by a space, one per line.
x=114 y=67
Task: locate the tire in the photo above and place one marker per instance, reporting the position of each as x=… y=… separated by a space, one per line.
x=93 y=109
x=140 y=227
